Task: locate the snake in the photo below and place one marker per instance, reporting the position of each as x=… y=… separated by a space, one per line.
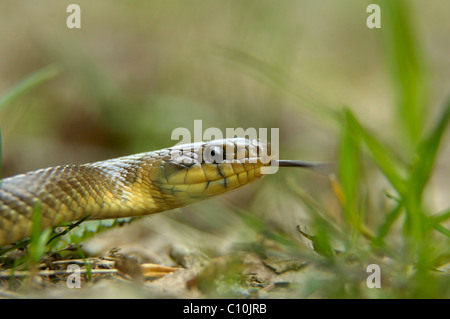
x=131 y=186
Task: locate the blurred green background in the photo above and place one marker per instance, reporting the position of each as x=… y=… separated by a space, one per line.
x=137 y=70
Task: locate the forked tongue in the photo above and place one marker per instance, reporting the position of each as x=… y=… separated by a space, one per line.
x=322 y=167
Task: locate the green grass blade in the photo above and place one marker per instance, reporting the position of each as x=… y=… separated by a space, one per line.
x=438 y=219
x=39 y=237
x=442 y=230
x=380 y=153
x=406 y=68
x=1 y=157
x=348 y=174
x=278 y=78
x=386 y=226
x=416 y=225
x=441 y=217
x=28 y=83
x=427 y=152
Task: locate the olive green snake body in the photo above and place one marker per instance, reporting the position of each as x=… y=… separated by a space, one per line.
x=129 y=186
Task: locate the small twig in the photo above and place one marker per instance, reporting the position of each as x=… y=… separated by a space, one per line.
x=26 y=273
x=69 y=228
x=148 y=270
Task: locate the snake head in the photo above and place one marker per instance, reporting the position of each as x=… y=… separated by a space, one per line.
x=205 y=169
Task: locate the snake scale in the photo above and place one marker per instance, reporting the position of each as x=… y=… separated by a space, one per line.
x=129 y=186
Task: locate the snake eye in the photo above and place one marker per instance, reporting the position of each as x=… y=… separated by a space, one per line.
x=214 y=154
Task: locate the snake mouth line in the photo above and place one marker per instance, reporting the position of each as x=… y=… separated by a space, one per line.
x=214 y=186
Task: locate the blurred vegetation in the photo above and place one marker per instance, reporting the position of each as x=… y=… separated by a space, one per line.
x=375 y=101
